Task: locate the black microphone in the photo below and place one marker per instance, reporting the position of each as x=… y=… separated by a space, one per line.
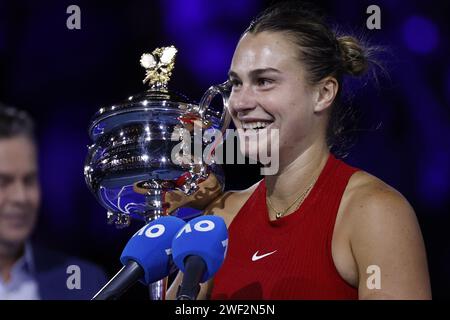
x=121 y=282
x=195 y=267
x=146 y=257
x=199 y=250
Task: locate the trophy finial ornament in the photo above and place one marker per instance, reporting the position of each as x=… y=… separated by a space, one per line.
x=159 y=65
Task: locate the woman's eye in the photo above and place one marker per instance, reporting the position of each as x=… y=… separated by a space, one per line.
x=264 y=82
x=235 y=82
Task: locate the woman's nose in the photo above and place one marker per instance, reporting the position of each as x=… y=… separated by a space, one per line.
x=242 y=100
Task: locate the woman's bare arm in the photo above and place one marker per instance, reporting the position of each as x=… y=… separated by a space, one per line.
x=386 y=240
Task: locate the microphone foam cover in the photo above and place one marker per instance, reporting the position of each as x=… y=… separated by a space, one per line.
x=206 y=237
x=151 y=246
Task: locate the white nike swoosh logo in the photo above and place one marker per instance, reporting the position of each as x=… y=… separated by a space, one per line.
x=256 y=257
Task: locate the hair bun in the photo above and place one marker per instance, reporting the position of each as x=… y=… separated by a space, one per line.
x=354 y=60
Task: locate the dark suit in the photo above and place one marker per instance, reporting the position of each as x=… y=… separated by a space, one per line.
x=50 y=271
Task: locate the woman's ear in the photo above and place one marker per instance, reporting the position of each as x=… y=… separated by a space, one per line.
x=326 y=92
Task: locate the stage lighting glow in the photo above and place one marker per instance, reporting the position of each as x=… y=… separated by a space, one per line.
x=420 y=34
x=199 y=28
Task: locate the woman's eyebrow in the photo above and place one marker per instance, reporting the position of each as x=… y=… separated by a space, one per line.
x=232 y=74
x=254 y=73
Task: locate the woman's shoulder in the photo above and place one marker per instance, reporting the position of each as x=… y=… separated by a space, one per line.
x=382 y=230
x=364 y=187
x=369 y=200
x=229 y=203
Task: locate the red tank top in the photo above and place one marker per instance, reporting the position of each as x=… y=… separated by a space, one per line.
x=289 y=258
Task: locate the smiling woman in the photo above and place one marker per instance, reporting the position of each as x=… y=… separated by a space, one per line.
x=318 y=227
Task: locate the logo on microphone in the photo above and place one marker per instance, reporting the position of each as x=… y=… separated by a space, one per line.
x=154 y=231
x=200 y=226
x=204 y=225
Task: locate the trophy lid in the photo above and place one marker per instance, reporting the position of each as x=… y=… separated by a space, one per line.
x=159 y=65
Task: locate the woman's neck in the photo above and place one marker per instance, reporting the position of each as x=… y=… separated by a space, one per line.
x=296 y=174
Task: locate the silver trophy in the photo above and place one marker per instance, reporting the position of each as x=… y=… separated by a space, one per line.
x=141 y=164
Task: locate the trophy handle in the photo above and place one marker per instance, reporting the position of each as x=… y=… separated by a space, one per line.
x=224 y=89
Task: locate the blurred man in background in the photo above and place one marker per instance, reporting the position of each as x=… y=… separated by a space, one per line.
x=28 y=271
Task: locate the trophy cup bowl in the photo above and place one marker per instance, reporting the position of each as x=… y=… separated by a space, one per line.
x=131 y=167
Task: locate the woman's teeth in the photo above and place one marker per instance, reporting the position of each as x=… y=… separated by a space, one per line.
x=255 y=125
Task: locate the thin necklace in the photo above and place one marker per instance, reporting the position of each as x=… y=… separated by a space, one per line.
x=301 y=197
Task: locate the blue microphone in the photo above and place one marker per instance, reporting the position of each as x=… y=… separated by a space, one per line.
x=146 y=257
x=199 y=250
